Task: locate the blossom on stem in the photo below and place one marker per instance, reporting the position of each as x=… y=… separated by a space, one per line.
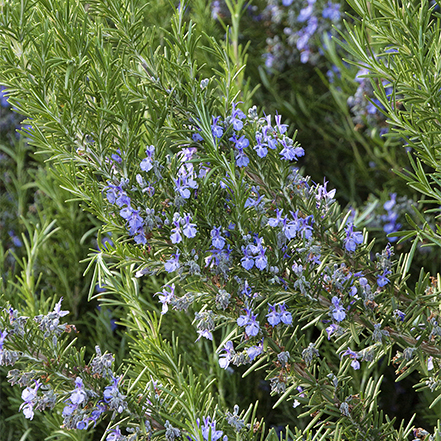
x=29 y=396
x=166 y=297
x=337 y=310
x=353 y=238
x=224 y=359
x=354 y=355
x=249 y=321
x=147 y=163
x=173 y=263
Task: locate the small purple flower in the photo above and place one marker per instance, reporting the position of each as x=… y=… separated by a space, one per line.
x=188 y=228
x=247 y=261
x=224 y=359
x=400 y=315
x=363 y=281
x=261 y=147
x=247 y=290
x=353 y=238
x=261 y=261
x=209 y=431
x=58 y=311
x=331 y=329
x=254 y=351
x=147 y=163
x=273 y=316
x=182 y=188
x=354 y=355
x=306 y=12
x=275 y=221
x=323 y=193
x=78 y=395
x=216 y=239
x=236 y=116
x=176 y=236
x=15 y=239
x=29 y=397
x=291 y=153
x=113 y=397
x=430 y=363
x=116 y=156
x=95 y=414
x=196 y=137
x=249 y=321
x=285 y=316
x=242 y=159
x=216 y=129
x=173 y=263
x=332 y=11
x=389 y=205
x=3 y=335
x=338 y=312
x=289 y=228
x=382 y=280
x=114 y=435
x=165 y=297
x=281 y=127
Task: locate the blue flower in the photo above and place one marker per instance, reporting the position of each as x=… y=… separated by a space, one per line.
x=78 y=395
x=354 y=355
x=273 y=316
x=209 y=431
x=306 y=12
x=261 y=147
x=165 y=297
x=29 y=396
x=188 y=228
x=114 y=435
x=173 y=263
x=113 y=397
x=216 y=239
x=353 y=238
x=399 y=315
x=247 y=261
x=249 y=321
x=261 y=261
x=291 y=153
x=236 y=116
x=332 y=11
x=285 y=316
x=254 y=351
x=224 y=359
x=338 y=312
x=242 y=159
x=275 y=221
x=331 y=329
x=282 y=316
x=147 y=163
x=281 y=127
x=216 y=129
x=382 y=280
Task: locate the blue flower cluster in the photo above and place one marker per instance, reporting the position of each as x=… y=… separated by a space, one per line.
x=297 y=27
x=231 y=251
x=255 y=239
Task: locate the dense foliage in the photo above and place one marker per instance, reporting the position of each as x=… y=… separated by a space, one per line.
x=168 y=258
